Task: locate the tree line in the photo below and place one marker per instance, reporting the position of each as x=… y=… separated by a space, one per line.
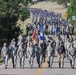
x=10 y=12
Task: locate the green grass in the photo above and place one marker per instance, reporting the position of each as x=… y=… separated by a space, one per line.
x=1 y=61
x=23 y=25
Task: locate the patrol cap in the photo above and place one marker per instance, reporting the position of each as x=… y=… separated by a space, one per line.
x=13 y=39
x=4 y=44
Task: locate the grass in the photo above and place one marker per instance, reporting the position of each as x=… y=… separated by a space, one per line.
x=22 y=25
x=1 y=61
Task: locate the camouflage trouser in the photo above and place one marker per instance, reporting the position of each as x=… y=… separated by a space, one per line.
x=14 y=60
x=22 y=61
x=72 y=61
x=50 y=60
x=39 y=59
x=6 y=60
x=61 y=60
x=66 y=53
x=31 y=59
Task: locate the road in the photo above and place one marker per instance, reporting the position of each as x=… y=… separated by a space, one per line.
x=38 y=71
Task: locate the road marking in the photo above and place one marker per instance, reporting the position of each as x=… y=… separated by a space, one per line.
x=3 y=64
x=40 y=70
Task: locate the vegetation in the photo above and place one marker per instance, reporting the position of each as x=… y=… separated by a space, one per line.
x=10 y=12
x=72 y=11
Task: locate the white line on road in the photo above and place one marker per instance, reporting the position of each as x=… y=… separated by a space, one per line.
x=3 y=64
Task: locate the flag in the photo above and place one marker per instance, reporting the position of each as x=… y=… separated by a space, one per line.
x=41 y=33
x=55 y=30
x=34 y=34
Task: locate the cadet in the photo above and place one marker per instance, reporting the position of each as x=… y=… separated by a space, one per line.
x=71 y=38
x=53 y=44
x=43 y=47
x=14 y=55
x=50 y=53
x=38 y=55
x=57 y=43
x=72 y=55
x=21 y=54
x=61 y=52
x=31 y=52
x=19 y=43
x=20 y=38
x=11 y=44
x=67 y=43
x=4 y=54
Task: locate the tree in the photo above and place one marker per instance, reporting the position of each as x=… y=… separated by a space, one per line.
x=27 y=1
x=64 y=2
x=72 y=11
x=10 y=11
x=60 y=2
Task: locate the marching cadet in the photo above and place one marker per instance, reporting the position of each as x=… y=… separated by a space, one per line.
x=20 y=38
x=71 y=38
x=21 y=54
x=43 y=47
x=25 y=48
x=38 y=55
x=57 y=43
x=14 y=55
x=53 y=44
x=11 y=45
x=50 y=28
x=50 y=53
x=61 y=52
x=19 y=43
x=62 y=29
x=67 y=43
x=31 y=52
x=28 y=39
x=4 y=54
x=72 y=55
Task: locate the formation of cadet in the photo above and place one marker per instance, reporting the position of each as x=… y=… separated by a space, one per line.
x=54 y=47
x=58 y=42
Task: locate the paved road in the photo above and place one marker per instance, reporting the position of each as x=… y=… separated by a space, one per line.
x=36 y=71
